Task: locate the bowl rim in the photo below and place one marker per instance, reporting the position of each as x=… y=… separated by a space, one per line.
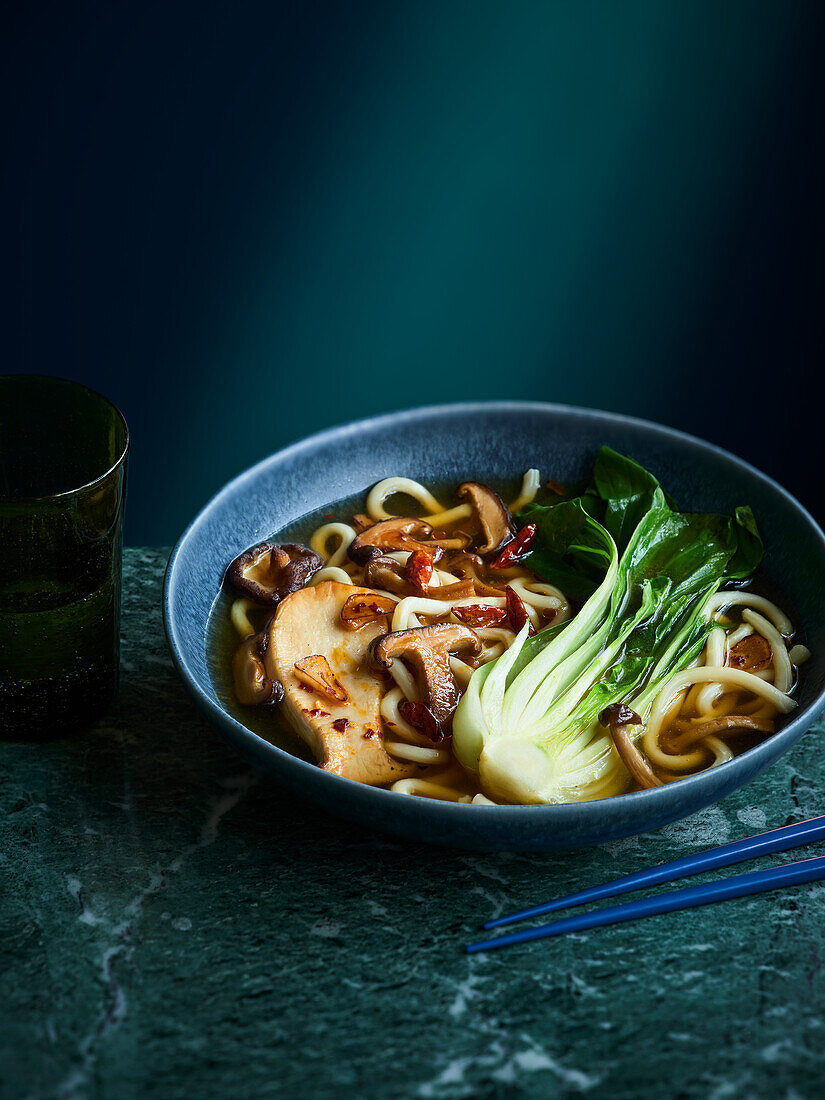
x=656 y=798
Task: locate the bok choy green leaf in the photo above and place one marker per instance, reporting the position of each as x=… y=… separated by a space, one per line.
x=644 y=571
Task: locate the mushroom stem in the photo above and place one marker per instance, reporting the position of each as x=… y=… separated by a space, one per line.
x=730 y=723
x=617 y=718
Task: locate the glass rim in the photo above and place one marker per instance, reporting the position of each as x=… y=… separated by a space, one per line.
x=96 y=480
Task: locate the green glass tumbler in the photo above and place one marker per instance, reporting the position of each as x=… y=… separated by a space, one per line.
x=63 y=454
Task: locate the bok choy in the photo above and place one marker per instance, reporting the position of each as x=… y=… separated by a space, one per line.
x=644 y=572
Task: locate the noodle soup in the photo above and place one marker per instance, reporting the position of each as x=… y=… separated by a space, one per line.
x=509 y=648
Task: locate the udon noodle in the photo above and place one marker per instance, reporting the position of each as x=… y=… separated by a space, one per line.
x=729 y=696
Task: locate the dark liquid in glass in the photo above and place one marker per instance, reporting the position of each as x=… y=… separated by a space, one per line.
x=62 y=476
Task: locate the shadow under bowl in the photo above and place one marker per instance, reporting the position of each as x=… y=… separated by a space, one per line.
x=490 y=442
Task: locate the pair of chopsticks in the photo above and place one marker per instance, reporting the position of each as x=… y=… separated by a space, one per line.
x=753 y=882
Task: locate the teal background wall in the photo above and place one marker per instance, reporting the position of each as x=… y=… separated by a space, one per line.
x=247 y=222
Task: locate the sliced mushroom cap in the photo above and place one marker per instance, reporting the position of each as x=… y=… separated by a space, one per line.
x=472 y=567
x=388 y=575
x=427 y=649
x=497 y=527
x=268 y=573
x=617 y=718
x=252 y=685
x=403 y=533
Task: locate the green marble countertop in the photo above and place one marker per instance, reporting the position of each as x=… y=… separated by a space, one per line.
x=173 y=924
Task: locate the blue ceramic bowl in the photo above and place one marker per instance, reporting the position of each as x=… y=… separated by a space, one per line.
x=489 y=442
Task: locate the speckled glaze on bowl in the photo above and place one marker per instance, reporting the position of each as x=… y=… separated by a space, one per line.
x=493 y=441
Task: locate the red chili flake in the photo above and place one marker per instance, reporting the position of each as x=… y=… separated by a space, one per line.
x=519 y=548
x=306 y=687
x=419 y=569
x=340 y=724
x=371 y=735
x=317 y=713
x=480 y=614
x=516 y=611
x=422 y=718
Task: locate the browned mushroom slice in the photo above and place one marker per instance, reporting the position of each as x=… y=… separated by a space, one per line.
x=316 y=673
x=268 y=573
x=402 y=533
x=471 y=566
x=252 y=685
x=617 y=718
x=463 y=563
x=389 y=575
x=496 y=523
x=730 y=724
x=752 y=654
x=427 y=649
x=366 y=607
x=461 y=590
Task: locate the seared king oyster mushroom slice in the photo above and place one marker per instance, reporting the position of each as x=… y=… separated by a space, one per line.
x=344 y=735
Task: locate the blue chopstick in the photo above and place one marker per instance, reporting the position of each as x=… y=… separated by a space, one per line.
x=753 y=882
x=777 y=840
